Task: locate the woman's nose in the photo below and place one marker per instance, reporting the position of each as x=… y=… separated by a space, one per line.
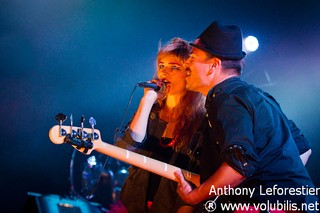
x=165 y=71
x=162 y=74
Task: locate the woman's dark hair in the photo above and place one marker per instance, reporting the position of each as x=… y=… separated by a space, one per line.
x=177 y=47
x=191 y=110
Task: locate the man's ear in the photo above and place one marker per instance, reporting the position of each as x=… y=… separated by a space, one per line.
x=215 y=62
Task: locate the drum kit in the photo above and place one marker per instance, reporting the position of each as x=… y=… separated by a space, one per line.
x=102 y=182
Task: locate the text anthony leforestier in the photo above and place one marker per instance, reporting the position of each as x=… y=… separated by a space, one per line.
x=275 y=190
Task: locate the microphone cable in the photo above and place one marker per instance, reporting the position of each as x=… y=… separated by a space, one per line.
x=119 y=129
x=96 y=184
x=73 y=192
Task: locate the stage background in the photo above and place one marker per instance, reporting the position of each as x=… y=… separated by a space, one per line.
x=84 y=57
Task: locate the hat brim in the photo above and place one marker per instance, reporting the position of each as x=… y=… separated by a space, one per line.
x=219 y=55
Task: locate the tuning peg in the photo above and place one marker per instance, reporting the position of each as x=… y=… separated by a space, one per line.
x=92 y=122
x=60 y=117
x=82 y=121
x=71 y=120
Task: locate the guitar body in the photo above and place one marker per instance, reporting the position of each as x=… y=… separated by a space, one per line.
x=86 y=140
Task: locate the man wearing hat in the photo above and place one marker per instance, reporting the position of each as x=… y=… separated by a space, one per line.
x=250 y=150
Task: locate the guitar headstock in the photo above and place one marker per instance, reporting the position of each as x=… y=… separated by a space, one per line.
x=82 y=139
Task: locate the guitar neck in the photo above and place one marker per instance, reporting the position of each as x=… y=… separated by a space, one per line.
x=58 y=135
x=146 y=163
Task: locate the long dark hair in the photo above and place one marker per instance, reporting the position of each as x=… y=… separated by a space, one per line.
x=191 y=109
x=190 y=117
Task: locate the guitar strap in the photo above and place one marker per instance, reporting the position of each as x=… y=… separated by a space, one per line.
x=196 y=143
x=195 y=146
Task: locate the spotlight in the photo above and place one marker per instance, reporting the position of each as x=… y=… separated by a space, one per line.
x=251 y=43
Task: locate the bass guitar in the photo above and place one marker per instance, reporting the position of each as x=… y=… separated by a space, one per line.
x=86 y=140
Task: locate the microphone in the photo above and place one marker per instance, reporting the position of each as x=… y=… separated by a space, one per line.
x=153 y=86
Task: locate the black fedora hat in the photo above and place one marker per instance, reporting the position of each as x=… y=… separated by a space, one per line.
x=223 y=41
